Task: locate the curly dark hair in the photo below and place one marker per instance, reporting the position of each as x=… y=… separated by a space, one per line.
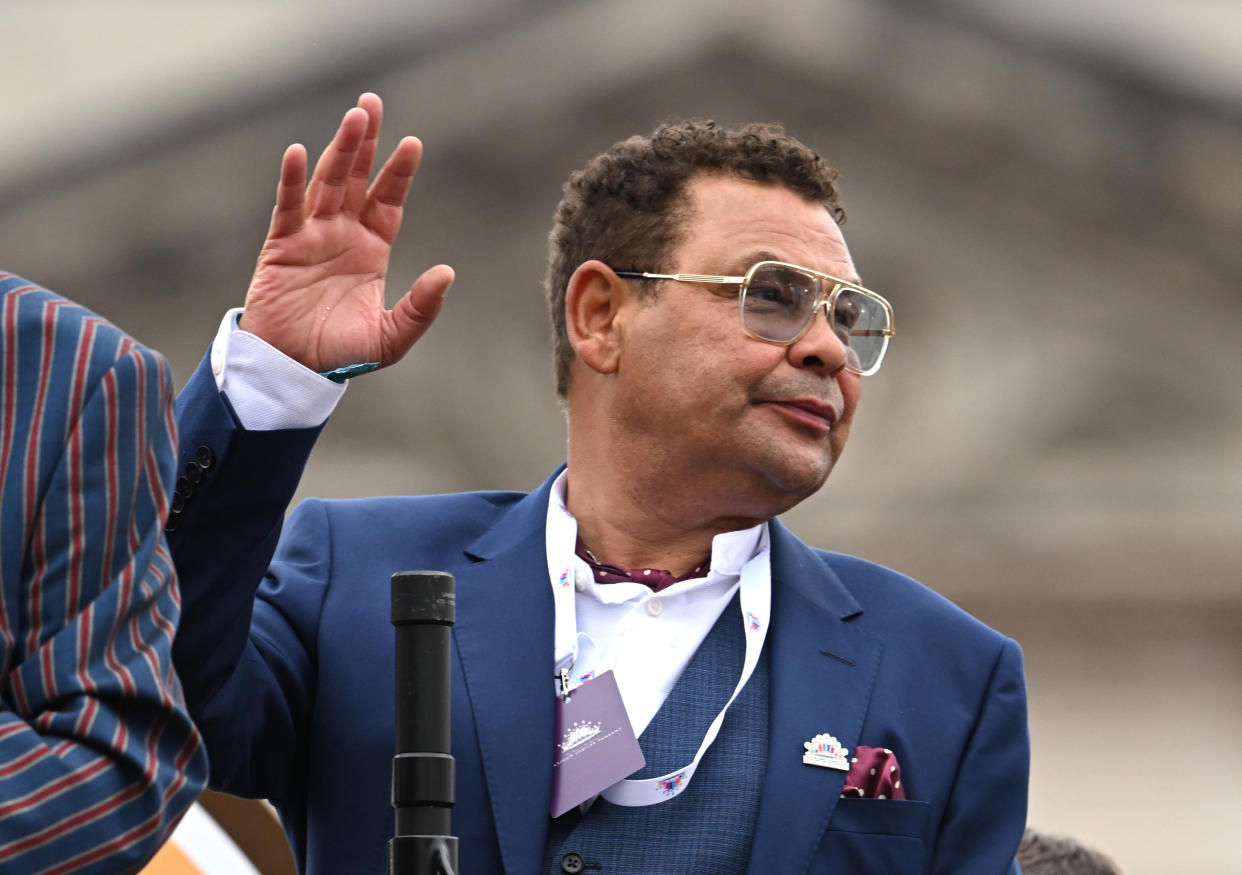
x=624 y=209
x=1045 y=854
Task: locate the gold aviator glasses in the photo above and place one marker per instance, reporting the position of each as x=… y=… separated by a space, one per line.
x=779 y=300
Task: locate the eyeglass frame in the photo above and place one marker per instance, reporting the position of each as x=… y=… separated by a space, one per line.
x=827 y=300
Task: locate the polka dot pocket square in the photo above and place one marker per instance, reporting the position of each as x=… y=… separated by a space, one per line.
x=874 y=774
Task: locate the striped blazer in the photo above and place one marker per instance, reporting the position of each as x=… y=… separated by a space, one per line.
x=98 y=757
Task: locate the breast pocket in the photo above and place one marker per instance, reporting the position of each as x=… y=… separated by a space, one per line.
x=873 y=836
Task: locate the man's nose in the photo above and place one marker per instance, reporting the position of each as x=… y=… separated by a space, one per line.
x=820 y=348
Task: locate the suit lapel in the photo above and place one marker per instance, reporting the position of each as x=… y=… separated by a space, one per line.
x=810 y=693
x=504 y=640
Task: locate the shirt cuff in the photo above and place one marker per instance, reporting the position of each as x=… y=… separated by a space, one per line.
x=268 y=390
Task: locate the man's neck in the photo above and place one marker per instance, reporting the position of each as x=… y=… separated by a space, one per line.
x=638 y=507
x=637 y=525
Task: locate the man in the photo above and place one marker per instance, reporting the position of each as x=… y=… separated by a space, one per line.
x=1042 y=853
x=771 y=684
x=98 y=757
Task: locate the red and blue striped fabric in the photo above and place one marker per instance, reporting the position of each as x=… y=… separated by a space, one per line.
x=98 y=757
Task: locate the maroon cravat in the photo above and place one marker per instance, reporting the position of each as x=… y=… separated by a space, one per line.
x=656 y=578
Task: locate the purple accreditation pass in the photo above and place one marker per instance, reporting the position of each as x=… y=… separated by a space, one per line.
x=595 y=744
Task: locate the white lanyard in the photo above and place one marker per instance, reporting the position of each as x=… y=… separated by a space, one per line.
x=755 y=596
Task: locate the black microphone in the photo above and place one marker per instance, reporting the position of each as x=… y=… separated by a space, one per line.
x=423 y=612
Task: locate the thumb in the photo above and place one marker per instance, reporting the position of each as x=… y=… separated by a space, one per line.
x=413 y=314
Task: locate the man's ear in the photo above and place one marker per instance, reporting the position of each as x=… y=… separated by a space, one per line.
x=593 y=299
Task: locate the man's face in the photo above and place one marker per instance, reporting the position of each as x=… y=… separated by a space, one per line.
x=749 y=424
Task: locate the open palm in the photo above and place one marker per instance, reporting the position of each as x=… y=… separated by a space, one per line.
x=317 y=293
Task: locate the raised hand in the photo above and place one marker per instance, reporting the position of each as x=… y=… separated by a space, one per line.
x=317 y=293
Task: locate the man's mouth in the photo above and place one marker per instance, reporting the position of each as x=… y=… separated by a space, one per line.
x=810 y=411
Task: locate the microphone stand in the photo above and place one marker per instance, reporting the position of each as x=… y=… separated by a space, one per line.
x=423 y=612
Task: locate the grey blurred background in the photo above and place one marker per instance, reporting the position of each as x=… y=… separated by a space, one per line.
x=1050 y=194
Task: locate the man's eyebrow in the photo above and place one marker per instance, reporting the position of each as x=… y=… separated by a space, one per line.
x=745 y=262
x=749 y=260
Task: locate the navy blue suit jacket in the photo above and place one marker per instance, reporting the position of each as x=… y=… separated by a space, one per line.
x=293 y=688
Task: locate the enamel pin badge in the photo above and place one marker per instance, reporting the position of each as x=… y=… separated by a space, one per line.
x=825 y=751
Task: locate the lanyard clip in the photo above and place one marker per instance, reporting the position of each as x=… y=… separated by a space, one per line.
x=564 y=679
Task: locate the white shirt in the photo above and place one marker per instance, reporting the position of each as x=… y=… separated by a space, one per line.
x=645 y=638
x=267 y=389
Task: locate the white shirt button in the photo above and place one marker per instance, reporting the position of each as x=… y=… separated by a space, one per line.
x=655 y=607
x=581 y=578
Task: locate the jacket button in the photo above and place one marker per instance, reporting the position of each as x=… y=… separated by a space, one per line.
x=184 y=487
x=174 y=520
x=178 y=503
x=572 y=863
x=193 y=471
x=205 y=457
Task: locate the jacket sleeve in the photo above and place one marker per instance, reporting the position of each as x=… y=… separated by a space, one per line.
x=98 y=756
x=246 y=681
x=986 y=812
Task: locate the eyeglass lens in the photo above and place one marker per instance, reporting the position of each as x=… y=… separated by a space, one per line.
x=778 y=302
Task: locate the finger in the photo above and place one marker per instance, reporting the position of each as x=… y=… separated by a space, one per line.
x=414 y=313
x=327 y=186
x=360 y=173
x=386 y=199
x=288 y=214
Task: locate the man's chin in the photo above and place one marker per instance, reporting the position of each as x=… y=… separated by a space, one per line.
x=793 y=483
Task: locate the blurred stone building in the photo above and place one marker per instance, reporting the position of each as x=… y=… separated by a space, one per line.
x=1051 y=198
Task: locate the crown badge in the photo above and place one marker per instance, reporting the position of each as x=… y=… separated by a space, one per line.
x=673 y=785
x=825 y=751
x=577 y=733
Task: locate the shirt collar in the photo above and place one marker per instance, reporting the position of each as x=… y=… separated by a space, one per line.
x=730 y=551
